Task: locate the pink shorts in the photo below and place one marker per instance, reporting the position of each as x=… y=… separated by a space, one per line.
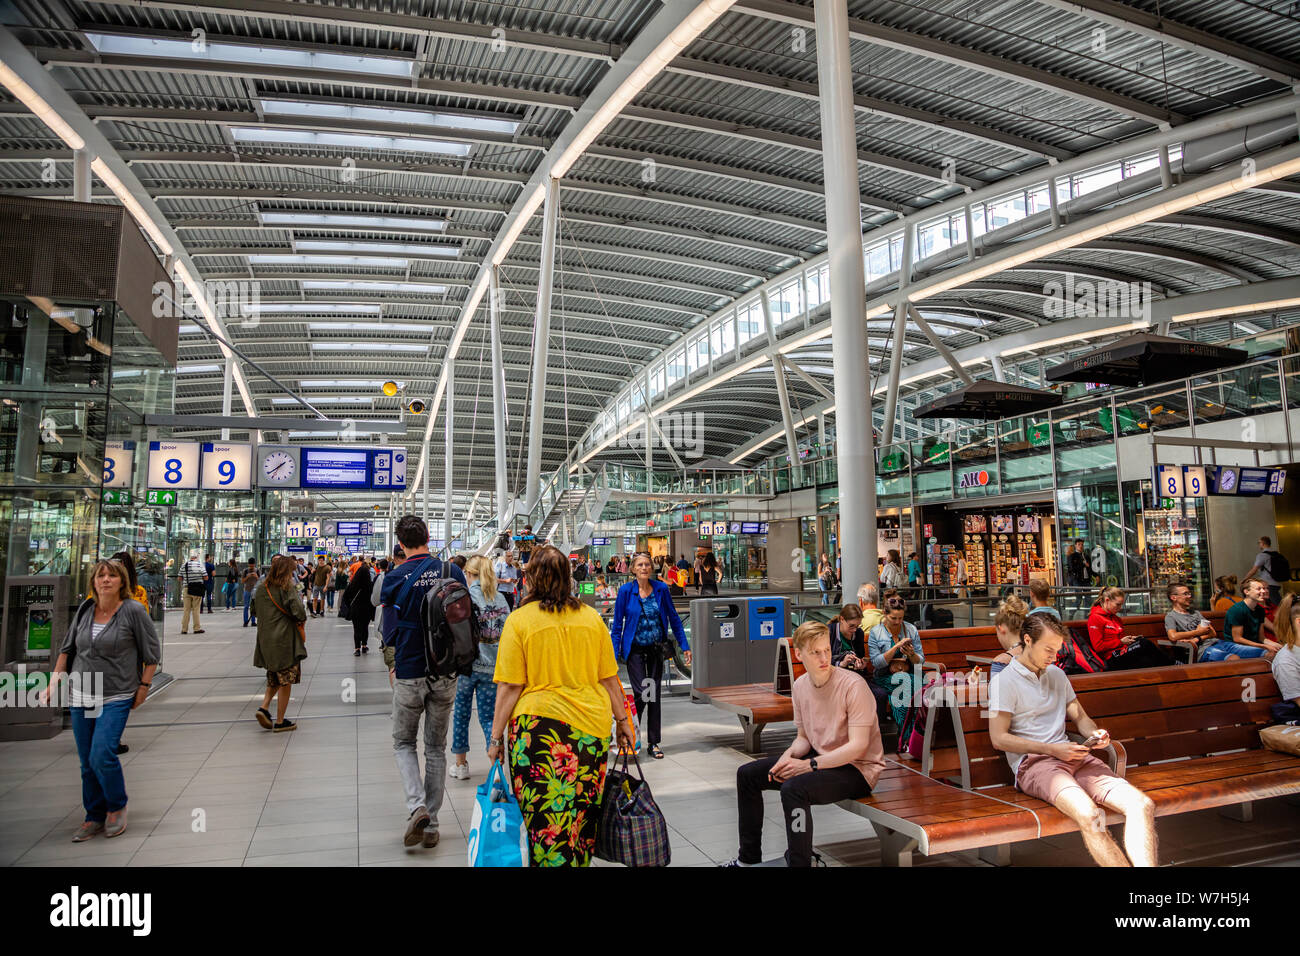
x=1047 y=777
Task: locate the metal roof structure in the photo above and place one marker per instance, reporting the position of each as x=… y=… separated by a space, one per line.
x=364 y=162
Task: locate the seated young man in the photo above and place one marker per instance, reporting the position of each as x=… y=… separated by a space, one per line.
x=1040 y=599
x=836 y=754
x=1244 y=626
x=1029 y=702
x=1186 y=624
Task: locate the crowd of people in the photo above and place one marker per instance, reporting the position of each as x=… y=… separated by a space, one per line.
x=550 y=701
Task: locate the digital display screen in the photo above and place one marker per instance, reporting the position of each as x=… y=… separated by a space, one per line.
x=762 y=528
x=749 y=527
x=354 y=544
x=1254 y=481
x=335 y=468
x=353 y=528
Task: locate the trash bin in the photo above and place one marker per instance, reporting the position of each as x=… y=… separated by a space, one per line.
x=769 y=620
x=719 y=642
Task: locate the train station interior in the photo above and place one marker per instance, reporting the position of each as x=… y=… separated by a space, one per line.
x=756 y=319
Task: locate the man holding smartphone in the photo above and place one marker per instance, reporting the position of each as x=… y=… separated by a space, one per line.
x=1029 y=702
x=836 y=755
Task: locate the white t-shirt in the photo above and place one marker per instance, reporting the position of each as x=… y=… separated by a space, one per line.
x=1036 y=704
x=506 y=576
x=1286 y=671
x=1261 y=569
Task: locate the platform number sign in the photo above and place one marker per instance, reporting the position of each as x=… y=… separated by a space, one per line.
x=227 y=467
x=1169 y=481
x=119 y=464
x=174 y=464
x=388 y=470
x=1194 y=483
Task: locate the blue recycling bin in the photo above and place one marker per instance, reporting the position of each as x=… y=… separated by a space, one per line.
x=768 y=620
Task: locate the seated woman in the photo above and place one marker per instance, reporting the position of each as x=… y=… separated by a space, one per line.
x=848 y=643
x=1225 y=593
x=1117 y=650
x=894 y=650
x=1007 y=622
x=1286 y=663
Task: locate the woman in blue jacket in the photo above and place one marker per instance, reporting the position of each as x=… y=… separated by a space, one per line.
x=643 y=615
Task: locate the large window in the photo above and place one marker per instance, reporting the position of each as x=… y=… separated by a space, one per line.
x=818 y=285
x=749 y=321
x=785 y=303
x=723 y=334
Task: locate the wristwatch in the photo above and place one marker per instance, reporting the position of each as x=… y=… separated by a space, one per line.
x=812 y=762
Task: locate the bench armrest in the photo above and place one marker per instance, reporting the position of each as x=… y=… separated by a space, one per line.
x=1191 y=655
x=978 y=659
x=933 y=666
x=1115 y=756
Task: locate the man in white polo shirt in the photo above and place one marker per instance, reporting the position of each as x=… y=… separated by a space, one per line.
x=1029 y=702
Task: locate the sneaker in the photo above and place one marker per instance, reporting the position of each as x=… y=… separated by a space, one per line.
x=264 y=718
x=459 y=771
x=357 y=652
x=285 y=724
x=365 y=648
x=734 y=863
x=121 y=749
x=430 y=838
x=199 y=631
x=87 y=830
x=416 y=826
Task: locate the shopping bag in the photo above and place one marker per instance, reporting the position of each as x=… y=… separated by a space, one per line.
x=631 y=831
x=497 y=835
x=630 y=701
x=1284 y=740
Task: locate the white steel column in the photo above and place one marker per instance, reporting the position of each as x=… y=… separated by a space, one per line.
x=498 y=394
x=782 y=387
x=541 y=337
x=227 y=383
x=449 y=410
x=855 y=457
x=999 y=373
x=81 y=175
x=424 y=512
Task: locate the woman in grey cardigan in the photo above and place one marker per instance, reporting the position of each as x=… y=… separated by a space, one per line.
x=280 y=646
x=109 y=656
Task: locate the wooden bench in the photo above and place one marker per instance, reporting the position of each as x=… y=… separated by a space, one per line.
x=1186 y=736
x=757 y=705
x=1152 y=627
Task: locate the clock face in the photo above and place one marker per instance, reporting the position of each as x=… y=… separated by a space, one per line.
x=278 y=466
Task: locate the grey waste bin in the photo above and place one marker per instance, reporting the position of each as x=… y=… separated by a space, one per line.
x=719 y=642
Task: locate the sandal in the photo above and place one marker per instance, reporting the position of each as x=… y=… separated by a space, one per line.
x=264 y=718
x=655 y=752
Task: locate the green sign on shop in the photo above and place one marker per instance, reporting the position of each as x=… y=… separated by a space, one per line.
x=1040 y=435
x=586 y=587
x=938 y=454
x=893 y=462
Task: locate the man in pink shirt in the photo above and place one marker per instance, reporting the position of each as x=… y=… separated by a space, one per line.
x=836 y=754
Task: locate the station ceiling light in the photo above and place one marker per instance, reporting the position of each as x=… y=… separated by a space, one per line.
x=307 y=137
x=390 y=389
x=342 y=220
x=263 y=54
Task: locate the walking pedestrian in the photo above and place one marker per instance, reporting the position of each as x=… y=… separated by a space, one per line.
x=210 y=582
x=644 y=617
x=281 y=648
x=360 y=611
x=231 y=584
x=249 y=582
x=478 y=687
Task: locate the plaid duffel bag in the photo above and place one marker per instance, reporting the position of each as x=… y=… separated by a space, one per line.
x=631 y=831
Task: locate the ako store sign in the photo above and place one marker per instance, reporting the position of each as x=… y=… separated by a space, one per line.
x=978 y=478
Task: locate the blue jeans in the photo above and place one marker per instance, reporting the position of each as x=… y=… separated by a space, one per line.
x=480 y=687
x=1220 y=650
x=826 y=590
x=207 y=595
x=329 y=598
x=103 y=788
x=230 y=594
x=249 y=616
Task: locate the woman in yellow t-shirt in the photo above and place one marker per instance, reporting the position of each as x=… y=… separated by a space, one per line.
x=557 y=686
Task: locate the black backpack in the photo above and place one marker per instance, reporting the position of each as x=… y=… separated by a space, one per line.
x=450 y=629
x=1279 y=568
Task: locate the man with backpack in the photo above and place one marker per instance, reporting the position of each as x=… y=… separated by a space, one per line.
x=417 y=691
x=1271 y=567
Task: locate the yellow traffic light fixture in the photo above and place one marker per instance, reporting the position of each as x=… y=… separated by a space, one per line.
x=389 y=389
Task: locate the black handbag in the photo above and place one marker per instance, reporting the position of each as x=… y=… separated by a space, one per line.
x=632 y=830
x=343 y=609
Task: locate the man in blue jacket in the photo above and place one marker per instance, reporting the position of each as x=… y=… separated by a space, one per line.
x=643 y=617
x=402 y=598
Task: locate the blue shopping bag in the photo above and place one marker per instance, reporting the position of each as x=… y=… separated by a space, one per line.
x=497 y=835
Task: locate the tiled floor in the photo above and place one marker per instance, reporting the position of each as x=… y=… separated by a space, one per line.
x=209 y=787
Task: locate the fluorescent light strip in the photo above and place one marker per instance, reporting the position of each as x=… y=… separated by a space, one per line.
x=358 y=285
x=339 y=220
x=44 y=111
x=271 y=308
x=306 y=137
x=189 y=328
x=264 y=55
x=367 y=347
x=397 y=427
x=381 y=114
x=369 y=327
x=296 y=260
x=197 y=369
x=132 y=205
x=344 y=383
x=1238 y=309
x=400 y=248
x=327 y=400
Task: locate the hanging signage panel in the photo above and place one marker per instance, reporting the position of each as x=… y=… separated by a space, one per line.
x=119 y=464
x=174 y=464
x=389 y=469
x=335 y=468
x=227 y=467
x=278 y=466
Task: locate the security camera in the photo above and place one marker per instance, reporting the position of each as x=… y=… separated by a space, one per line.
x=416 y=407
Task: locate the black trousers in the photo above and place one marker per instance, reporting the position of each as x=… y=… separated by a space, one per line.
x=1141 y=654
x=798 y=796
x=360 y=629
x=645 y=672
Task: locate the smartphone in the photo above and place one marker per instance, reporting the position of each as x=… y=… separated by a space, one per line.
x=1094 y=739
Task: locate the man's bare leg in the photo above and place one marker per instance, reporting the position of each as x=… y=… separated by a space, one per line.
x=1139 y=822
x=1075 y=803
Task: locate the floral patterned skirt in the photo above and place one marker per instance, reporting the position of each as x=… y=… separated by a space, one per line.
x=558 y=773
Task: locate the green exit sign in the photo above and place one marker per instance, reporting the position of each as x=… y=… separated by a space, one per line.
x=116 y=496
x=161 y=496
